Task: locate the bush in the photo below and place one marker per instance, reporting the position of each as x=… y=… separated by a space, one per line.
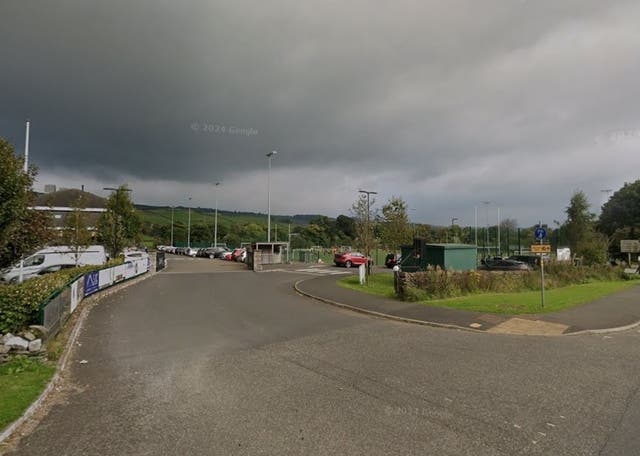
x=20 y=303
x=438 y=284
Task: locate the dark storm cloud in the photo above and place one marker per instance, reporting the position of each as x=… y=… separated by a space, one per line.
x=444 y=103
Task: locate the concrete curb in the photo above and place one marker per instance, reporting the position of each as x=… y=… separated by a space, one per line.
x=379 y=314
x=450 y=326
x=62 y=363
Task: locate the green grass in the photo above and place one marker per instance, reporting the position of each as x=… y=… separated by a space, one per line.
x=379 y=285
x=527 y=302
x=21 y=382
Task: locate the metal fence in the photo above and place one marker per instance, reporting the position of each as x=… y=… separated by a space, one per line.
x=59 y=306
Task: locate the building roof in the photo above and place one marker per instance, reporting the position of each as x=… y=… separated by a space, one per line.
x=67 y=197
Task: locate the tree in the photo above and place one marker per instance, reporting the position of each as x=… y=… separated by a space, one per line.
x=620 y=217
x=75 y=231
x=579 y=220
x=22 y=230
x=584 y=240
x=395 y=230
x=364 y=218
x=119 y=226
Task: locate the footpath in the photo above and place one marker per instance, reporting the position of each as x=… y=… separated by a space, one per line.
x=615 y=312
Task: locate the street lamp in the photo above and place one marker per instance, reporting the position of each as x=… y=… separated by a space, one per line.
x=171 y=226
x=189 y=226
x=368 y=241
x=269 y=156
x=26 y=170
x=215 y=229
x=486 y=244
x=453 y=220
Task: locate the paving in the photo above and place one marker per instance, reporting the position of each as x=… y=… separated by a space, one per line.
x=619 y=310
x=230 y=362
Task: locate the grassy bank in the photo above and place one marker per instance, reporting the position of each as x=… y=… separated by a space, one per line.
x=526 y=302
x=22 y=380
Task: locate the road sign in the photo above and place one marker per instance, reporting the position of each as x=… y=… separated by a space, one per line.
x=541 y=248
x=540 y=233
x=630 y=246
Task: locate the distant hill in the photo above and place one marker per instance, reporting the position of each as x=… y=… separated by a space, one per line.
x=161 y=215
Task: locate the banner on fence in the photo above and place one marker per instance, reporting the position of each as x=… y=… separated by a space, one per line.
x=91 y=283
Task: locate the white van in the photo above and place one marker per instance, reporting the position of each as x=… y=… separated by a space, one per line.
x=62 y=255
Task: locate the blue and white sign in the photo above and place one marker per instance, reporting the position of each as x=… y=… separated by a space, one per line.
x=540 y=233
x=91 y=282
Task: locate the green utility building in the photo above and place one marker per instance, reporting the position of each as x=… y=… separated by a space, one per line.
x=451 y=257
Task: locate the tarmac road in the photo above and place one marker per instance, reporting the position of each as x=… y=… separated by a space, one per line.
x=205 y=359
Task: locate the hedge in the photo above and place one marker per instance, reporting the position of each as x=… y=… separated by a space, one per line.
x=20 y=303
x=439 y=284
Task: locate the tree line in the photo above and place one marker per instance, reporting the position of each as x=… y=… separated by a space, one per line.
x=23 y=230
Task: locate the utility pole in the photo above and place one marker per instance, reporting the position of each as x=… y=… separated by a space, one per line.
x=171 y=226
x=269 y=156
x=189 y=226
x=368 y=239
x=486 y=244
x=26 y=170
x=215 y=229
x=453 y=220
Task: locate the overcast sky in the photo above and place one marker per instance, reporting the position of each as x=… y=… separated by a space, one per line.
x=444 y=103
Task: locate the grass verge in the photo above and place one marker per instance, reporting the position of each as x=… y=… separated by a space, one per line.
x=527 y=302
x=22 y=380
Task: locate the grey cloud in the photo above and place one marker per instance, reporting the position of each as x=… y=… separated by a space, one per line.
x=416 y=93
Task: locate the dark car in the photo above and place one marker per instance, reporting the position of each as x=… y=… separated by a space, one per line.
x=531 y=260
x=392 y=260
x=499 y=264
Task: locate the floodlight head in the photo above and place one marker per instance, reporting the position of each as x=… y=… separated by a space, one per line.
x=272 y=153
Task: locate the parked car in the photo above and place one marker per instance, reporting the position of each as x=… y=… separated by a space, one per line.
x=348 y=259
x=228 y=255
x=499 y=264
x=219 y=252
x=190 y=251
x=52 y=256
x=391 y=260
x=531 y=260
x=237 y=253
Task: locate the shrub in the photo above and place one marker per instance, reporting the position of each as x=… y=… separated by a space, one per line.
x=20 y=303
x=437 y=283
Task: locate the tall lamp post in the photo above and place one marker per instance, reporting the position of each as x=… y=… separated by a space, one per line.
x=26 y=170
x=453 y=220
x=269 y=156
x=189 y=226
x=215 y=223
x=171 y=226
x=368 y=246
x=486 y=245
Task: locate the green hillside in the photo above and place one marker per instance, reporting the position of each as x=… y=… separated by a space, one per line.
x=202 y=216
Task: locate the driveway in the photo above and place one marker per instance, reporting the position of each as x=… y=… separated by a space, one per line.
x=199 y=360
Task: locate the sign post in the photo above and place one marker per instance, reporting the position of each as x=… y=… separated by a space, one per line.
x=540 y=233
x=629 y=246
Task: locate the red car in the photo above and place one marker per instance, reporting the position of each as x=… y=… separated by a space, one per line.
x=349 y=259
x=237 y=253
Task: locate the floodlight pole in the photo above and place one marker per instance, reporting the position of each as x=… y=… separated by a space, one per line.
x=269 y=156
x=171 y=226
x=189 y=226
x=26 y=170
x=215 y=229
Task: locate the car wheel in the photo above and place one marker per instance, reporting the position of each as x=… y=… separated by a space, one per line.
x=347 y=264
x=211 y=257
